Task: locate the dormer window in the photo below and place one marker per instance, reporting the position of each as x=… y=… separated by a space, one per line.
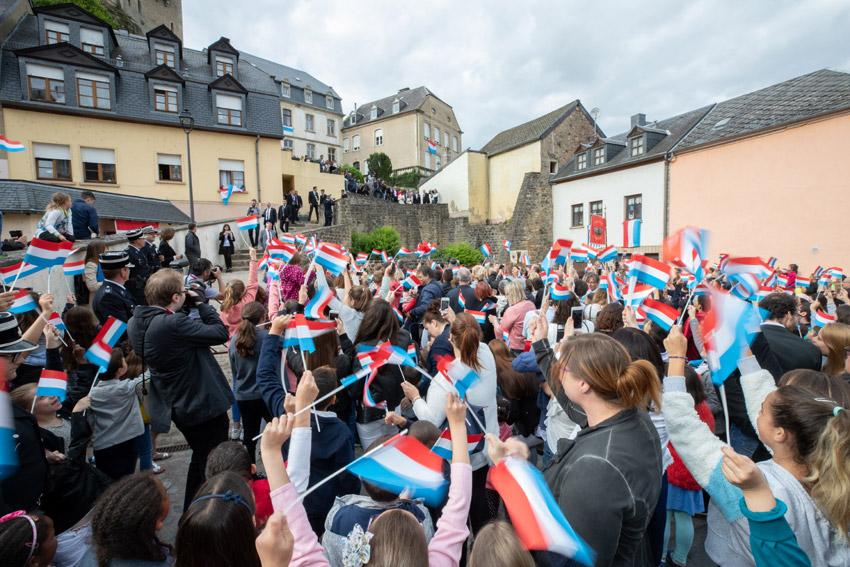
x=396 y=106
x=598 y=156
x=353 y=118
x=229 y=110
x=374 y=113
x=92 y=41
x=308 y=95
x=581 y=161
x=329 y=101
x=284 y=88
x=637 y=146
x=56 y=32
x=46 y=84
x=164 y=54
x=223 y=66
x=165 y=98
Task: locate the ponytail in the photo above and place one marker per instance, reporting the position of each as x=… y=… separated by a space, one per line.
x=466 y=338
x=829 y=479
x=234 y=291
x=639 y=385
x=246 y=336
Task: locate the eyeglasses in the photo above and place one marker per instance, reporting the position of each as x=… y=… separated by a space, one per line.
x=846 y=351
x=15 y=356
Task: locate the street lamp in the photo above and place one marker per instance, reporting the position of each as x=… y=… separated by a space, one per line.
x=188 y=123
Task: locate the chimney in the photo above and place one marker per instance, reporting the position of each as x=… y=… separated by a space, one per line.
x=638 y=120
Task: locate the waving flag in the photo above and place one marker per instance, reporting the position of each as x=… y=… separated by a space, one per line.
x=479 y=316
x=560 y=293
x=461 y=300
x=649 y=271
x=761 y=293
x=411 y=282
x=300 y=332
x=525 y=260
x=607 y=254
x=398 y=315
x=687 y=248
x=404 y=252
x=563 y=247
x=836 y=272
x=331 y=259
x=631 y=233
x=731 y=266
x=485 y=249
x=99 y=355
x=375 y=252
x=52 y=383
x=461 y=376
x=540 y=524
x=729 y=329
x=47 y=254
x=403 y=464
x=8 y=436
x=659 y=313
x=288 y=239
x=578 y=255
x=368 y=400
x=74 y=268
x=803 y=282
x=781 y=281
x=772 y=262
x=603 y=283
x=23 y=302
x=111 y=331
x=281 y=250
x=614 y=291
x=701 y=289
x=507 y=245
x=474 y=434
x=264 y=263
x=592 y=252
x=822 y=319
x=57 y=322
x=361 y=258
x=315 y=308
x=8 y=273
x=432 y=147
x=226 y=192
x=639 y=294
x=10 y=145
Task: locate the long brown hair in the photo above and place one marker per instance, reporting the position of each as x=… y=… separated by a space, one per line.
x=327 y=349
x=360 y=298
x=466 y=337
x=514 y=385
x=497 y=545
x=607 y=368
x=234 y=291
x=835 y=336
x=379 y=322
x=83 y=326
x=93 y=251
x=398 y=541
x=246 y=336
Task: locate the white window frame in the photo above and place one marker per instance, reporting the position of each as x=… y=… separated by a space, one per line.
x=93 y=39
x=308 y=95
x=345 y=145
x=310 y=122
x=599 y=156
x=170 y=161
x=396 y=107
x=427 y=160
x=331 y=128
x=427 y=131
x=581 y=161
x=436 y=135
x=637 y=146
x=311 y=151
x=331 y=154
x=446 y=139
x=373 y=114
x=329 y=101
x=231 y=172
x=454 y=144
x=355 y=143
x=379 y=137
x=284 y=88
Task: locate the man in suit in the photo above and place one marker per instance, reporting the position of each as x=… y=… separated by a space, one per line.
x=112 y=298
x=464 y=277
x=192 y=245
x=270 y=215
x=781 y=331
x=267 y=234
x=297 y=203
x=313 y=199
x=253 y=233
x=140 y=270
x=283 y=216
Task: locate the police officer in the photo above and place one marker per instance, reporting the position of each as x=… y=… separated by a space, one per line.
x=140 y=270
x=112 y=298
x=151 y=253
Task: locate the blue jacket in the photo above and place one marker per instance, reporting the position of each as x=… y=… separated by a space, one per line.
x=428 y=293
x=83 y=219
x=441 y=346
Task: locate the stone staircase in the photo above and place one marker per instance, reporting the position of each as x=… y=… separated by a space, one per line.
x=241 y=258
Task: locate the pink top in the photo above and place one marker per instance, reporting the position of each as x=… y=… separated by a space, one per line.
x=445 y=547
x=232 y=318
x=291 y=280
x=512 y=323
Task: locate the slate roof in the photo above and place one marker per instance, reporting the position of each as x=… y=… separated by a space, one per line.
x=132 y=99
x=529 y=131
x=410 y=100
x=800 y=98
x=678 y=126
x=297 y=81
x=21 y=196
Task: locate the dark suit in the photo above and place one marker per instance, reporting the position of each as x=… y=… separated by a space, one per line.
x=296 y=207
x=314 y=204
x=790 y=350
x=440 y=347
x=468 y=297
x=283 y=216
x=111 y=299
x=139 y=273
x=269 y=215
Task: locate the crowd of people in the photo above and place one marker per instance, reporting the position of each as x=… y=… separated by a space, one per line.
x=620 y=414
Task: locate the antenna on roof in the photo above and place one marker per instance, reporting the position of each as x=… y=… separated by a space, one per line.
x=595 y=113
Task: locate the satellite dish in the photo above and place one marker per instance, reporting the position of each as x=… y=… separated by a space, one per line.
x=815 y=249
x=595 y=112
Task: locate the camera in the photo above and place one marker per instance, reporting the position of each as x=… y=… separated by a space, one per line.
x=216 y=269
x=193 y=299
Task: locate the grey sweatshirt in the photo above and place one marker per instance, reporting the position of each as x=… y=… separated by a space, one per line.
x=114 y=415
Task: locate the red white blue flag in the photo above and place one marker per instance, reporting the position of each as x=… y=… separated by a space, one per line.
x=822 y=319
x=649 y=271
x=300 y=332
x=70 y=268
x=331 y=259
x=459 y=375
x=659 y=313
x=485 y=249
x=99 y=354
x=479 y=316
x=411 y=282
x=729 y=329
x=111 y=331
x=23 y=302
x=560 y=293
x=607 y=254
x=52 y=383
x=631 y=233
x=315 y=308
x=8 y=437
x=47 y=254
x=11 y=145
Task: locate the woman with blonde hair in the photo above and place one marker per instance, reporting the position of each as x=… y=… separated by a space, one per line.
x=497 y=545
x=237 y=295
x=832 y=339
x=597 y=302
x=513 y=316
x=55 y=225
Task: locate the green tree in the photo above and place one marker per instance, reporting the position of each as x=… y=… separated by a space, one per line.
x=463 y=251
x=94 y=7
x=381 y=238
x=353 y=171
x=380 y=163
x=408 y=179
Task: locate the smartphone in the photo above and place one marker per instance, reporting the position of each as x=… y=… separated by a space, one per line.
x=577 y=313
x=334 y=315
x=444 y=304
x=15 y=233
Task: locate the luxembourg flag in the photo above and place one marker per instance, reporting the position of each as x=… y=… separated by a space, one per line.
x=280 y=251
x=411 y=352
x=375 y=252
x=361 y=258
x=47 y=254
x=457 y=373
x=57 y=322
x=52 y=383
x=761 y=293
x=398 y=315
x=264 y=263
x=474 y=434
x=539 y=522
x=8 y=438
x=752 y=265
x=10 y=145
x=330 y=259
x=368 y=400
x=524 y=259
x=23 y=302
x=803 y=282
x=639 y=294
x=479 y=316
x=404 y=252
x=316 y=306
x=461 y=301
x=301 y=332
x=729 y=329
x=631 y=233
x=226 y=192
x=649 y=271
x=404 y=465
x=99 y=355
x=560 y=293
x=384 y=257
x=836 y=272
x=507 y=245
x=485 y=249
x=74 y=268
x=111 y=331
x=822 y=319
x=702 y=289
x=659 y=313
x=607 y=254
x=578 y=255
x=8 y=273
x=614 y=291
x=288 y=239
x=772 y=262
x=592 y=252
x=432 y=147
x=411 y=282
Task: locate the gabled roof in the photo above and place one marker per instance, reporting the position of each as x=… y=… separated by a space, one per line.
x=165 y=73
x=647 y=128
x=223 y=45
x=74 y=13
x=529 y=131
x=65 y=54
x=162 y=32
x=801 y=98
x=297 y=80
x=21 y=196
x=227 y=83
x=409 y=101
x=678 y=126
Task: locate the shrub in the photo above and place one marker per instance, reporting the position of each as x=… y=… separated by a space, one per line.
x=463 y=251
x=381 y=238
x=353 y=171
x=408 y=179
x=380 y=163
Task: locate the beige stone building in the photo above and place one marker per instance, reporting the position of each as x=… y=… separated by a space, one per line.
x=414 y=127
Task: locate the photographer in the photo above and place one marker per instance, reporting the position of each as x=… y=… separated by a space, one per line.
x=186 y=381
x=201 y=276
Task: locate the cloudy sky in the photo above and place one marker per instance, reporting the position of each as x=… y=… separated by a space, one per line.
x=500 y=63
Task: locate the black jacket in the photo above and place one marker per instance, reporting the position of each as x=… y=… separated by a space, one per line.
x=192 y=246
x=269 y=215
x=427 y=293
x=167 y=252
x=229 y=237
x=385 y=387
x=314 y=198
x=468 y=297
x=791 y=351
x=185 y=375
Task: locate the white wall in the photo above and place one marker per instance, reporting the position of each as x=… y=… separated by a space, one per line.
x=612 y=189
x=452 y=183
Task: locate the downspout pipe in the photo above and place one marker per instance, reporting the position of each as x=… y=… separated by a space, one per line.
x=257 y=157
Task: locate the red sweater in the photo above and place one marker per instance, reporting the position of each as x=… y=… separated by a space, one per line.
x=677 y=473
